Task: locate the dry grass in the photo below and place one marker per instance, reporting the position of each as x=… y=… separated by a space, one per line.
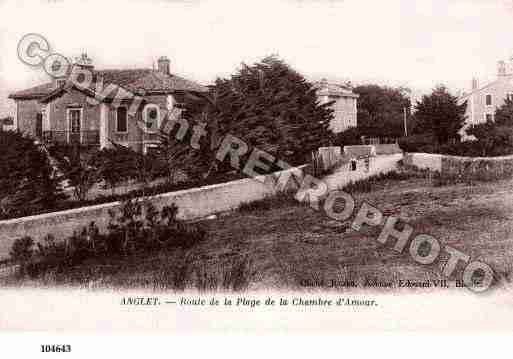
x=284 y=246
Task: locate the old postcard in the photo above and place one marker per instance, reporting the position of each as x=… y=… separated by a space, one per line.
x=196 y=165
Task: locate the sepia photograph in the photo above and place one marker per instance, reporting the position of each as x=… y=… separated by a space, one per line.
x=264 y=166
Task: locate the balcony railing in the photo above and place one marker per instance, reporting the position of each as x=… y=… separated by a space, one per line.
x=91 y=137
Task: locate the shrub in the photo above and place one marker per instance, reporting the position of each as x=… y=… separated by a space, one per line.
x=22 y=249
x=369 y=184
x=278 y=200
x=120 y=163
x=492 y=139
x=349 y=137
x=27 y=180
x=76 y=164
x=258 y=205
x=417 y=143
x=147 y=191
x=468 y=171
x=136 y=228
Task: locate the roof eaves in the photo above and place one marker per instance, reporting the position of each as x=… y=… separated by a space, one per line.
x=481 y=88
x=34 y=96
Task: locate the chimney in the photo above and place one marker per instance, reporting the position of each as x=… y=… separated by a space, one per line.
x=324 y=84
x=475 y=83
x=79 y=65
x=501 y=69
x=323 y=91
x=164 y=65
x=83 y=61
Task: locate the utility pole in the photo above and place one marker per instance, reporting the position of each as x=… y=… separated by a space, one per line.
x=405 y=126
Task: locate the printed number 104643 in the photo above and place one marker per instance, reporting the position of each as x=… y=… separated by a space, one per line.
x=55 y=348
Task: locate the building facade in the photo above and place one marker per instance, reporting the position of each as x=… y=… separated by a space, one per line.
x=482 y=101
x=344 y=106
x=119 y=106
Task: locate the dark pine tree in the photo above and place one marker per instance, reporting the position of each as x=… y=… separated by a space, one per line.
x=504 y=114
x=268 y=105
x=440 y=114
x=27 y=180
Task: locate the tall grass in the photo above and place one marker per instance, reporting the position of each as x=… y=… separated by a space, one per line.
x=369 y=184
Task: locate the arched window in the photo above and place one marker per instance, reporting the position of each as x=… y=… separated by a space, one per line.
x=121 y=119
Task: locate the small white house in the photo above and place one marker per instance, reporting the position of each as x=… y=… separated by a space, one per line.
x=344 y=106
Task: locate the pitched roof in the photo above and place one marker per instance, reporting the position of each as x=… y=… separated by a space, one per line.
x=325 y=88
x=484 y=87
x=33 y=92
x=151 y=81
x=157 y=81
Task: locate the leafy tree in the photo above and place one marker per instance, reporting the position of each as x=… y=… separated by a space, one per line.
x=76 y=167
x=119 y=163
x=349 y=137
x=174 y=149
x=504 y=114
x=28 y=183
x=492 y=139
x=269 y=106
x=381 y=110
x=440 y=114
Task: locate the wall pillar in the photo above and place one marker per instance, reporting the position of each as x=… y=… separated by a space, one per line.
x=104 y=125
x=47 y=118
x=16 y=116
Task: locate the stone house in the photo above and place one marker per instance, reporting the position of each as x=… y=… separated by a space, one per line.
x=482 y=101
x=344 y=106
x=97 y=113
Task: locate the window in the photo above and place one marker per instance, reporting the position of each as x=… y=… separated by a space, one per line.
x=509 y=96
x=61 y=82
x=121 y=119
x=151 y=118
x=353 y=165
x=39 y=125
x=489 y=117
x=488 y=100
x=74 y=120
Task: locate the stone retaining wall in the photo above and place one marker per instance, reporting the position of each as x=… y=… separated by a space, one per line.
x=478 y=168
x=192 y=203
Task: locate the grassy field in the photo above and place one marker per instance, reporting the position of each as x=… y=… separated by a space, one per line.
x=285 y=245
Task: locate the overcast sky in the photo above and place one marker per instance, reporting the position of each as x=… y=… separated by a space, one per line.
x=398 y=42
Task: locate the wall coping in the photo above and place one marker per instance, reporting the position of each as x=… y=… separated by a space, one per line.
x=160 y=195
x=497 y=158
